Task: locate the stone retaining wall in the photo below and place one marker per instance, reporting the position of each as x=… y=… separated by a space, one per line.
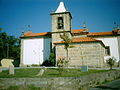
x=63 y=83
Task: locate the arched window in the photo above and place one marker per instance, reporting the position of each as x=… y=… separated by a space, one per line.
x=60 y=23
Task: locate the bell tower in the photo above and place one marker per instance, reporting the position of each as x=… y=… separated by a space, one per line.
x=61 y=22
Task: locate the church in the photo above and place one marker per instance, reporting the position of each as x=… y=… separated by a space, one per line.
x=88 y=48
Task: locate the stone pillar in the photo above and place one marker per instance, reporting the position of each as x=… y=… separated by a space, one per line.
x=11 y=70
x=0 y=70
x=41 y=72
x=21 y=53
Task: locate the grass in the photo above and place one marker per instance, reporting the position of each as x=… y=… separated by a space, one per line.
x=32 y=72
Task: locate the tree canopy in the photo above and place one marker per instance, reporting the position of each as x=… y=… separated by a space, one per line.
x=9 y=47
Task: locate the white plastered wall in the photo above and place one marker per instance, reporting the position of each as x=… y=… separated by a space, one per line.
x=113 y=43
x=33 y=51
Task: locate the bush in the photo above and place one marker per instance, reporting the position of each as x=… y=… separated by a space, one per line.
x=52 y=59
x=111 y=62
x=61 y=63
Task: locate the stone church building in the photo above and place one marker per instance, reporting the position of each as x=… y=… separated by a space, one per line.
x=89 y=48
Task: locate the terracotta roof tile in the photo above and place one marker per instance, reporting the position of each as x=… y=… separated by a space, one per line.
x=115 y=31
x=30 y=34
x=81 y=39
x=27 y=33
x=78 y=31
x=100 y=34
x=84 y=39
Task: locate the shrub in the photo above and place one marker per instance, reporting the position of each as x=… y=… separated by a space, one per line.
x=61 y=63
x=52 y=59
x=111 y=62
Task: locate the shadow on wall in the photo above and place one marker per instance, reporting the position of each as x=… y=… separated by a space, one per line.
x=49 y=57
x=49 y=53
x=46 y=51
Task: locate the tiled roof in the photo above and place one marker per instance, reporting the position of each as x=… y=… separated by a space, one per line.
x=115 y=31
x=100 y=34
x=74 y=32
x=80 y=39
x=78 y=31
x=30 y=34
x=84 y=39
x=84 y=31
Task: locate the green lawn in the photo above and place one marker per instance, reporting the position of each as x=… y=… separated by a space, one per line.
x=32 y=72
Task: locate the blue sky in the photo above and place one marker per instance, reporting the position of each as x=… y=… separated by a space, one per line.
x=99 y=15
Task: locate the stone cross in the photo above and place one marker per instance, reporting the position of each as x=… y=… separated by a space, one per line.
x=41 y=72
x=11 y=70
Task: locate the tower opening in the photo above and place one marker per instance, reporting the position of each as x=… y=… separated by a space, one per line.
x=60 y=23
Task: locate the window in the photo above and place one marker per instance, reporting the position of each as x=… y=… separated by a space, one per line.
x=107 y=50
x=60 y=23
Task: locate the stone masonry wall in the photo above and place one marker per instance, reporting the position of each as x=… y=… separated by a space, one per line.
x=91 y=54
x=66 y=19
x=55 y=31
x=62 y=83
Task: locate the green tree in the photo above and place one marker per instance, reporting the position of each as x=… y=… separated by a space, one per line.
x=67 y=41
x=111 y=62
x=9 y=47
x=3 y=44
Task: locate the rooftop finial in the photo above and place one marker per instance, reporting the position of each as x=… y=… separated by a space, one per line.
x=22 y=33
x=118 y=28
x=28 y=27
x=115 y=25
x=85 y=27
